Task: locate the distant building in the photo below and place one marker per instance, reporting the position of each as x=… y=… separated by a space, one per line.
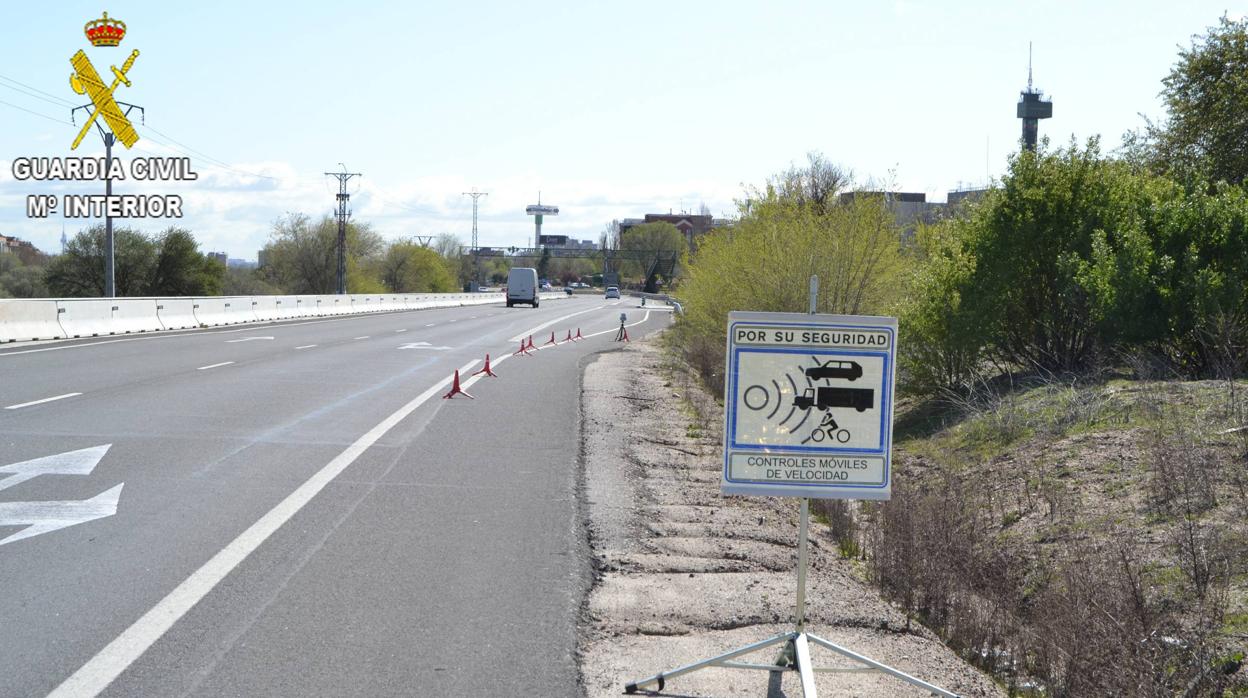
x=909 y=209
x=961 y=196
x=220 y=257
x=25 y=251
x=691 y=226
x=235 y=263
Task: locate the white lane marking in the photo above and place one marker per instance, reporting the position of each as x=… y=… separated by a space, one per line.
x=245 y=339
x=403 y=330
x=431 y=324
x=40 y=402
x=44 y=517
x=424 y=345
x=94 y=676
x=474 y=317
x=364 y=337
x=306 y=346
x=544 y=325
x=647 y=317
x=80 y=462
x=223 y=363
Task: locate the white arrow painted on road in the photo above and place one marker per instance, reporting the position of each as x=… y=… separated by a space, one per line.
x=424 y=345
x=80 y=462
x=245 y=339
x=44 y=517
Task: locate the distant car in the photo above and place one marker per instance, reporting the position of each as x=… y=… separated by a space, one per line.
x=613 y=292
x=835 y=369
x=567 y=290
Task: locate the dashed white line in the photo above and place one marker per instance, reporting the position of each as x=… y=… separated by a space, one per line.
x=431 y=324
x=397 y=331
x=94 y=676
x=223 y=363
x=40 y=402
x=364 y=337
x=306 y=346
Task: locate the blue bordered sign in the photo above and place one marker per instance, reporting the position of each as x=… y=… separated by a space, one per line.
x=808 y=405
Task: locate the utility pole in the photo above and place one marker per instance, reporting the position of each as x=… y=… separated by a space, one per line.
x=110 y=285
x=343 y=214
x=476 y=257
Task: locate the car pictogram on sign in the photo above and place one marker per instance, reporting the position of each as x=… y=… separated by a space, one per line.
x=835 y=369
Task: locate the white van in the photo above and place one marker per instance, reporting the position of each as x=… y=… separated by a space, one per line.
x=522 y=286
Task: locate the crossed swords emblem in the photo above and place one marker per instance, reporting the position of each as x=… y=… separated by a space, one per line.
x=86 y=81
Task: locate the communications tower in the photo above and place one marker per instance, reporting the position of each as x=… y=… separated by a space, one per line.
x=1031 y=108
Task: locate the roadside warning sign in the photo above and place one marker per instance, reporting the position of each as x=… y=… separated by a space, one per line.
x=808 y=405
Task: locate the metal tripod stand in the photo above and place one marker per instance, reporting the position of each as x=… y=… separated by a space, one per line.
x=796 y=646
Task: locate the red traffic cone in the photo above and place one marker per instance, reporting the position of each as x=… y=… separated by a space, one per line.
x=456 y=390
x=578 y=336
x=569 y=337
x=552 y=340
x=524 y=351
x=486 y=370
x=530 y=341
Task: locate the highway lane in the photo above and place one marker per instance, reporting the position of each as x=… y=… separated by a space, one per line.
x=452 y=538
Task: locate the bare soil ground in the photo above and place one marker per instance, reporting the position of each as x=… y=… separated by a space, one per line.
x=684 y=573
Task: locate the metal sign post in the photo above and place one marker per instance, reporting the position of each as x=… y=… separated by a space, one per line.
x=808 y=412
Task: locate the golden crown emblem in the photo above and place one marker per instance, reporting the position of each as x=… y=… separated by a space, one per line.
x=105 y=31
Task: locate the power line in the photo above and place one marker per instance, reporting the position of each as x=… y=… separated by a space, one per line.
x=57 y=104
x=61 y=100
x=29 y=111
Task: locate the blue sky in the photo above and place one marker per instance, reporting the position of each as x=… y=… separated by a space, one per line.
x=612 y=110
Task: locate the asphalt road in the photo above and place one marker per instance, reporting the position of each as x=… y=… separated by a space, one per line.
x=299 y=512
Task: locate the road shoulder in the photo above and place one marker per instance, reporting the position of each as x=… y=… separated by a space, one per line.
x=683 y=573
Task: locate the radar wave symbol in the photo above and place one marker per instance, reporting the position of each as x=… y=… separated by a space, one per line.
x=761 y=397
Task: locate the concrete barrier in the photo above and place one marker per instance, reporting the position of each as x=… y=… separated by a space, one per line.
x=334 y=305
x=176 y=313
x=264 y=307
x=286 y=307
x=305 y=306
x=87 y=317
x=29 y=319
x=214 y=311
x=364 y=303
x=93 y=317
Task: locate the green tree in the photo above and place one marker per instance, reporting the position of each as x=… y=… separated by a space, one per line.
x=408 y=267
x=653 y=240
x=79 y=271
x=543 y=264
x=301 y=257
x=765 y=260
x=19 y=279
x=240 y=281
x=1062 y=259
x=180 y=269
x=1206 y=98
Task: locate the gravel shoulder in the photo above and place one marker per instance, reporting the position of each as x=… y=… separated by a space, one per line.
x=683 y=573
